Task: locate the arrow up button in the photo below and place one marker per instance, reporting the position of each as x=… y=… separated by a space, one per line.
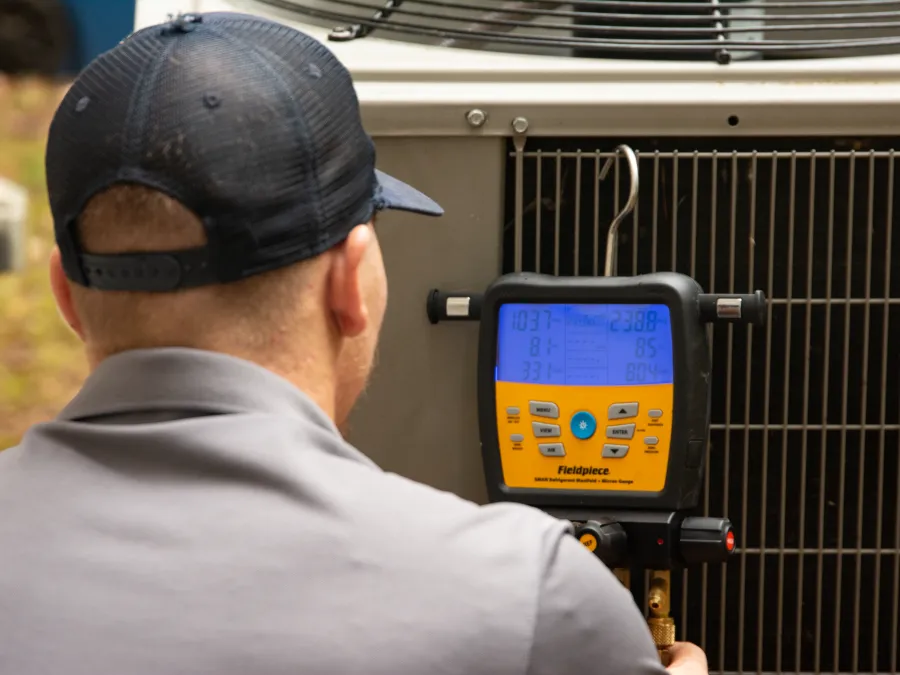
x=623 y=411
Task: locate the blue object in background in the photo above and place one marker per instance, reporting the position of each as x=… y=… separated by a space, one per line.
x=99 y=25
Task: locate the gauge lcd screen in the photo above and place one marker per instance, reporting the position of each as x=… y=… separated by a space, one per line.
x=585 y=344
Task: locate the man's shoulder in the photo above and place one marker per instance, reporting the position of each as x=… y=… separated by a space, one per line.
x=520 y=561
x=498 y=536
x=10 y=455
x=421 y=505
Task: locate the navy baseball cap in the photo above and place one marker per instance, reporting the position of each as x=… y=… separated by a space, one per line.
x=252 y=125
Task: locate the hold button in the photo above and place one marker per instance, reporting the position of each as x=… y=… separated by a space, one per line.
x=552 y=449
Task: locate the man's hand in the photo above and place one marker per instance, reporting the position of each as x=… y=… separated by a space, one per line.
x=687 y=659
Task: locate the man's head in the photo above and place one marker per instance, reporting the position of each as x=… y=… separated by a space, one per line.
x=212 y=187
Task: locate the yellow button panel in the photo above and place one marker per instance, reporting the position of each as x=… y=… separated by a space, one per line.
x=559 y=437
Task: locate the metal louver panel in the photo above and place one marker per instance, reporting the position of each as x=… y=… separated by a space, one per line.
x=724 y=30
x=803 y=455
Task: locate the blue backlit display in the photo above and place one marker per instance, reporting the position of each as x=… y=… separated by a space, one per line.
x=585 y=344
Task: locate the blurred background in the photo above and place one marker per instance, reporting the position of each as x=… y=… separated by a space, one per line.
x=43 y=43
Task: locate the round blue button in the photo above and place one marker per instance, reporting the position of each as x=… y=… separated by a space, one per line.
x=583 y=425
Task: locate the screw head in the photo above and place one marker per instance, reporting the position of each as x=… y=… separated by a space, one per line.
x=520 y=125
x=341 y=33
x=476 y=118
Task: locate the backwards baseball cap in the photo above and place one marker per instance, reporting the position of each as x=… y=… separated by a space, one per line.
x=250 y=124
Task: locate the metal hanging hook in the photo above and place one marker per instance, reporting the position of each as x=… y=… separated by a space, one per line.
x=612 y=237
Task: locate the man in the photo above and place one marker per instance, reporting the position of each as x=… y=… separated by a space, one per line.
x=195 y=509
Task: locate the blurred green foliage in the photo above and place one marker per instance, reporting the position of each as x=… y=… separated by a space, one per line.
x=41 y=362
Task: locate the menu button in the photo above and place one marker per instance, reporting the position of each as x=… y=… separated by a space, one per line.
x=543 y=409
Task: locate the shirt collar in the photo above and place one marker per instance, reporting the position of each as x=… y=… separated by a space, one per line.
x=174 y=378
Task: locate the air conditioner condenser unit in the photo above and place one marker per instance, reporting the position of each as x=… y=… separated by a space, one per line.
x=766 y=133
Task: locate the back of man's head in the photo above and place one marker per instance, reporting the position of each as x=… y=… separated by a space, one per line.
x=238 y=316
x=212 y=186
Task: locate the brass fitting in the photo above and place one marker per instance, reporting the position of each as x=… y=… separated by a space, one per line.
x=658 y=597
x=662 y=626
x=663 y=632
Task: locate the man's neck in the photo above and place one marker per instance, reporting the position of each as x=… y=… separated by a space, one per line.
x=315 y=377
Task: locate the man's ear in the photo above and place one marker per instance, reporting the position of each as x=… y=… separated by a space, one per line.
x=346 y=295
x=63 y=293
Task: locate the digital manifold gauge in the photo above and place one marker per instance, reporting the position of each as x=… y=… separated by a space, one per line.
x=594 y=405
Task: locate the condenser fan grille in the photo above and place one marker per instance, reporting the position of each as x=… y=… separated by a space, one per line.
x=723 y=30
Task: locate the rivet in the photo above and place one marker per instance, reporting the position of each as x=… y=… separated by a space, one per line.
x=476 y=118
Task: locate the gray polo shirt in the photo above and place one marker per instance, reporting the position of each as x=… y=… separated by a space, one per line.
x=193 y=514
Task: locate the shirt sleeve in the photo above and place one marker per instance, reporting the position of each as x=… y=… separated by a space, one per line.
x=587 y=622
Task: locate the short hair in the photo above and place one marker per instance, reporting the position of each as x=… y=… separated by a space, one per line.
x=133 y=218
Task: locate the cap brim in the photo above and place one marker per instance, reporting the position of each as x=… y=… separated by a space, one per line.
x=398 y=196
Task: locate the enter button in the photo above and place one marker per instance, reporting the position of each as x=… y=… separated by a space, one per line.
x=624 y=431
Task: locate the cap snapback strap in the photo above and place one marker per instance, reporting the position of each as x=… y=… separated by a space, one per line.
x=148 y=272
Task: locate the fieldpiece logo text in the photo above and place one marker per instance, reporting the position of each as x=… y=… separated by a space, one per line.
x=582 y=471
